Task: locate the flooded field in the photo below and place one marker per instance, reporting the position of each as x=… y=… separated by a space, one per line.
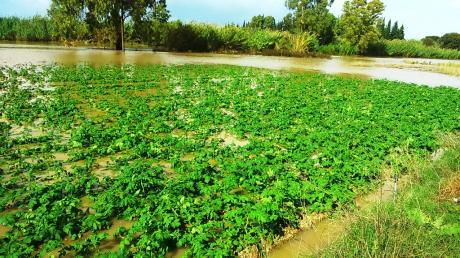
x=410 y=70
x=202 y=160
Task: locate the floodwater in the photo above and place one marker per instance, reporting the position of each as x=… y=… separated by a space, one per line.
x=310 y=241
x=398 y=69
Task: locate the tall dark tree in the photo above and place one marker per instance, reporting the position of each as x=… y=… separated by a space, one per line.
x=394 y=34
x=387 y=33
x=390 y=30
x=402 y=33
x=113 y=12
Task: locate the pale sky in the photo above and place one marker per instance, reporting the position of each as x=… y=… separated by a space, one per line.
x=420 y=17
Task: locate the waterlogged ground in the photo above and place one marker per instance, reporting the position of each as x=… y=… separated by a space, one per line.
x=410 y=70
x=206 y=160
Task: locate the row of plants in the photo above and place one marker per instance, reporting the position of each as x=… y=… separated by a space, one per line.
x=37 y=28
x=414 y=48
x=205 y=37
x=213 y=159
x=393 y=48
x=172 y=36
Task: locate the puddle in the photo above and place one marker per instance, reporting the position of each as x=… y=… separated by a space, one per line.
x=61 y=156
x=308 y=241
x=146 y=92
x=178 y=133
x=167 y=167
x=188 y=157
x=228 y=112
x=86 y=205
x=229 y=139
x=4 y=230
x=103 y=172
x=112 y=243
x=20 y=131
x=178 y=253
x=311 y=241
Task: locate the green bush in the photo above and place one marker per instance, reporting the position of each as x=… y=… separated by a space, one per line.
x=37 y=28
x=451 y=41
x=202 y=37
x=414 y=48
x=234 y=38
x=338 y=49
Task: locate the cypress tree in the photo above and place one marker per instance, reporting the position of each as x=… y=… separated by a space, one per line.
x=394 y=34
x=388 y=30
x=401 y=32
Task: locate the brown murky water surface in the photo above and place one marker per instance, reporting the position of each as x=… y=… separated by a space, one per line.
x=399 y=69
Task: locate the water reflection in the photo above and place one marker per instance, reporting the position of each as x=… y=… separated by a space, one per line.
x=378 y=68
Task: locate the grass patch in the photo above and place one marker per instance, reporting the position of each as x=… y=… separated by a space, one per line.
x=424 y=221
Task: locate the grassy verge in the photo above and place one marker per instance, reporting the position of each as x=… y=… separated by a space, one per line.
x=424 y=220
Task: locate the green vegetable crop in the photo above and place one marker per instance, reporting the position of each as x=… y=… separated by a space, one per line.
x=142 y=160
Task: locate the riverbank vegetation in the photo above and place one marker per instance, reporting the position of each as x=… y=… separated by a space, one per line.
x=423 y=221
x=308 y=29
x=142 y=160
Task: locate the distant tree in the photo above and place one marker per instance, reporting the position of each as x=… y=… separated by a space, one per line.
x=67 y=16
x=358 y=24
x=402 y=33
x=387 y=32
x=313 y=16
x=111 y=12
x=431 y=41
x=450 y=40
x=381 y=27
x=394 y=34
x=288 y=23
x=262 y=22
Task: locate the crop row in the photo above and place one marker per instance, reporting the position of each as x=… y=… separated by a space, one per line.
x=213 y=159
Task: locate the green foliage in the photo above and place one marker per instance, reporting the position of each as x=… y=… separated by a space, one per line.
x=414 y=48
x=431 y=41
x=37 y=28
x=205 y=37
x=310 y=143
x=69 y=15
x=450 y=41
x=358 y=24
x=262 y=22
x=387 y=31
x=418 y=223
x=338 y=49
x=311 y=16
x=393 y=48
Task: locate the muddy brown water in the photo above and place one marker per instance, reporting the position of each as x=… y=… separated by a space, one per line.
x=398 y=69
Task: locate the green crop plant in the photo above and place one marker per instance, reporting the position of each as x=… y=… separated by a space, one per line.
x=213 y=159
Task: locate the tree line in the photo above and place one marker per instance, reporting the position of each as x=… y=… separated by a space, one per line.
x=448 y=41
x=308 y=27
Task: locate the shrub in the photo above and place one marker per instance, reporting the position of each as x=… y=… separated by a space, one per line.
x=414 y=48
x=451 y=41
x=338 y=49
